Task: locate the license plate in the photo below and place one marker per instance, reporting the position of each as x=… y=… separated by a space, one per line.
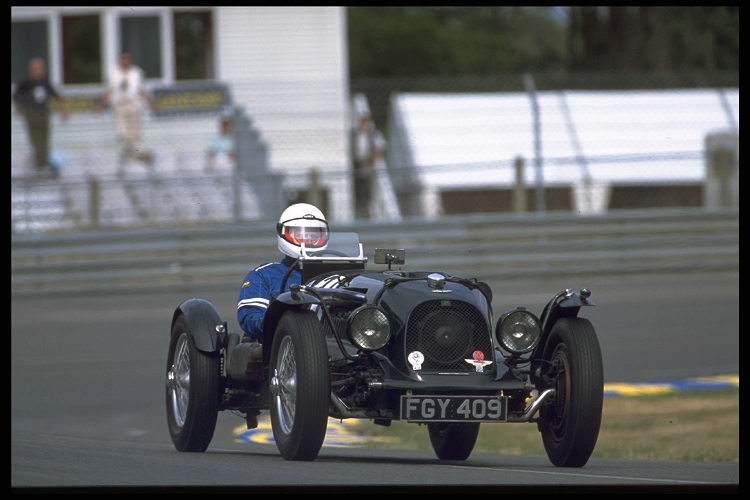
x=454 y=408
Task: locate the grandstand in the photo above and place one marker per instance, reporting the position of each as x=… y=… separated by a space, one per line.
x=448 y=153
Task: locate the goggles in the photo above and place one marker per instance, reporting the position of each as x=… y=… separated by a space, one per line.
x=311 y=236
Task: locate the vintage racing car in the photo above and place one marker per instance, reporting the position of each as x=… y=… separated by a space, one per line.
x=385 y=345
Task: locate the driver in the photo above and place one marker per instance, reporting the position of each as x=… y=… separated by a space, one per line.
x=299 y=223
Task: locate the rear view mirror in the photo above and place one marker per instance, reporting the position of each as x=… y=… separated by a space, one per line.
x=390 y=256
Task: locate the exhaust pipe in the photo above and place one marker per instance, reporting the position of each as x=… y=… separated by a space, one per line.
x=531 y=410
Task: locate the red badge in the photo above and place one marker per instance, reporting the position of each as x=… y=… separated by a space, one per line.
x=478 y=360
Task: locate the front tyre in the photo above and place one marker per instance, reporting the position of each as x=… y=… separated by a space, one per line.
x=570 y=422
x=453 y=441
x=299 y=386
x=193 y=391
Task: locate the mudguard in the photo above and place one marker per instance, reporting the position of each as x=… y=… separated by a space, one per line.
x=565 y=304
x=202 y=319
x=303 y=297
x=276 y=308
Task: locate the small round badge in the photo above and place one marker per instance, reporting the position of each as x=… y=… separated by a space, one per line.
x=416 y=359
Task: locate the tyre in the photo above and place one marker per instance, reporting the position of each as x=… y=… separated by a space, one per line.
x=299 y=386
x=453 y=441
x=569 y=424
x=193 y=391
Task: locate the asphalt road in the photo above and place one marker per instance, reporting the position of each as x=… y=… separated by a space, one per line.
x=87 y=394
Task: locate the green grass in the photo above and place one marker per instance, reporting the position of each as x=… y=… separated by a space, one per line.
x=700 y=425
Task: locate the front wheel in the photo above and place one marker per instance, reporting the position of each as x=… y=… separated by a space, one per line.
x=453 y=441
x=193 y=386
x=570 y=422
x=299 y=386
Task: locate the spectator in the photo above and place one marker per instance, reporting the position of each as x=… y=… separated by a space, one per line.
x=368 y=147
x=32 y=98
x=126 y=92
x=220 y=150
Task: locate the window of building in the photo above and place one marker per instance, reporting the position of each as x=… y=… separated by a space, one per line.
x=81 y=43
x=193 y=45
x=28 y=39
x=141 y=37
x=81 y=49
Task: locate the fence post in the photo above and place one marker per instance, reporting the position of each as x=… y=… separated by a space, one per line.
x=94 y=204
x=528 y=81
x=721 y=188
x=519 y=193
x=314 y=191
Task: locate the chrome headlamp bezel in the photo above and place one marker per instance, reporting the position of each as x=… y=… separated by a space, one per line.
x=368 y=327
x=518 y=331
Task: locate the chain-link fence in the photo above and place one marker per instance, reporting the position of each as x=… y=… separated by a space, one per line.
x=463 y=145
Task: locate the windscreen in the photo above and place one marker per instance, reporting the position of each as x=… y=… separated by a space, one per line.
x=340 y=245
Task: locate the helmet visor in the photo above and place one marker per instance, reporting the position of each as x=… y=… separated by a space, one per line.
x=312 y=237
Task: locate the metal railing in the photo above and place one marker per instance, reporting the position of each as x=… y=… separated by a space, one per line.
x=486 y=246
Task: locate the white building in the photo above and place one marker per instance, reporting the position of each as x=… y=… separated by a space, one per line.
x=287 y=67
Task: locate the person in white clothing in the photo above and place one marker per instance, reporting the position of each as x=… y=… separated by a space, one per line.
x=367 y=148
x=126 y=93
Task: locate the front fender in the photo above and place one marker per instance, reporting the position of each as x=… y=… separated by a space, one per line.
x=565 y=304
x=202 y=319
x=276 y=308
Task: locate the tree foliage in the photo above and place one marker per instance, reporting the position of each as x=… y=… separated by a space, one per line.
x=654 y=38
x=441 y=41
x=419 y=41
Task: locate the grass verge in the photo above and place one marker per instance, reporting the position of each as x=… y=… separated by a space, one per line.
x=698 y=425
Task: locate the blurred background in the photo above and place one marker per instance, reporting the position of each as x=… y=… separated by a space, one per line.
x=578 y=110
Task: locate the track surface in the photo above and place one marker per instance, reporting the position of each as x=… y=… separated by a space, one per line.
x=87 y=394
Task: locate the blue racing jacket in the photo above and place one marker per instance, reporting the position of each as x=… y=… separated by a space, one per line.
x=258 y=287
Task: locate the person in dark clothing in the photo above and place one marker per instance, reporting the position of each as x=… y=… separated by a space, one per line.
x=32 y=98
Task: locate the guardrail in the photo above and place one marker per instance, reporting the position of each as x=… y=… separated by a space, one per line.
x=487 y=246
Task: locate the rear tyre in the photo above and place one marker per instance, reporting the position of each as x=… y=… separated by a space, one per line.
x=193 y=391
x=570 y=422
x=299 y=386
x=453 y=441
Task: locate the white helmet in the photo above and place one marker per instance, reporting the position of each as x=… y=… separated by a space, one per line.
x=301 y=223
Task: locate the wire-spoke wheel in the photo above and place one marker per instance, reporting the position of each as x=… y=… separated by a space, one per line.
x=299 y=386
x=192 y=391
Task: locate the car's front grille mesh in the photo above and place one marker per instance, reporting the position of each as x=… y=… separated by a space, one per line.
x=447 y=332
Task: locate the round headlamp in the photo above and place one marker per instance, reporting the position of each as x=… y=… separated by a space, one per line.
x=518 y=331
x=368 y=328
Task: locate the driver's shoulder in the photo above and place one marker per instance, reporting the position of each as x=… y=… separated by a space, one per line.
x=271 y=268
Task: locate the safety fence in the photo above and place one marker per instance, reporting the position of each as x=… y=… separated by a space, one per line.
x=487 y=246
x=456 y=146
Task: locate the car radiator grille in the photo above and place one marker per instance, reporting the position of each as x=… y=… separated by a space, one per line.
x=447 y=332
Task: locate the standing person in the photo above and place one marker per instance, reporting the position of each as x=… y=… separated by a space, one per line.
x=368 y=147
x=220 y=151
x=126 y=91
x=32 y=98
